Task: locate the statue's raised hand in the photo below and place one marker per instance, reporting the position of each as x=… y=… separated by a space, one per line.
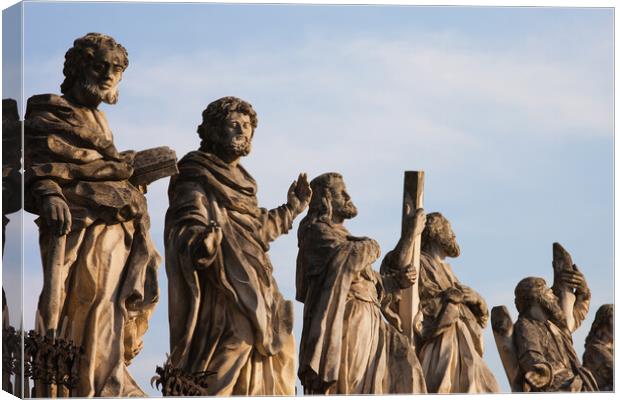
x=299 y=194
x=56 y=214
x=415 y=219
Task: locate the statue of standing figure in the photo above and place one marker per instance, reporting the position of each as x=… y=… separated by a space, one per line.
x=227 y=316
x=454 y=315
x=99 y=263
x=351 y=340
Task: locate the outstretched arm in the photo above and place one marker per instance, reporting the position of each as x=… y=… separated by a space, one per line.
x=279 y=220
x=574 y=281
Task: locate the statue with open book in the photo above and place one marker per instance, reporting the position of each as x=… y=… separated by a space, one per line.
x=100 y=265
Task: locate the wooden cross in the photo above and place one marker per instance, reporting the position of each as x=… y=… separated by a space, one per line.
x=410 y=299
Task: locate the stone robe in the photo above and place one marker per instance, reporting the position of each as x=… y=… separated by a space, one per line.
x=346 y=345
x=543 y=342
x=226 y=313
x=451 y=344
x=598 y=358
x=110 y=263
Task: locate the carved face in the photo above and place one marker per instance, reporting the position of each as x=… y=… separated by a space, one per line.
x=342 y=206
x=236 y=134
x=550 y=304
x=102 y=75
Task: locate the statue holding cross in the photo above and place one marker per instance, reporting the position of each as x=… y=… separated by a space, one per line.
x=353 y=340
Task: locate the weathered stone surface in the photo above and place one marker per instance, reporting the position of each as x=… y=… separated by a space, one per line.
x=454 y=315
x=542 y=336
x=347 y=346
x=226 y=313
x=100 y=265
x=598 y=356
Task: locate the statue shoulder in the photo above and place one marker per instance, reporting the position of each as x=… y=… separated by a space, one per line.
x=42 y=104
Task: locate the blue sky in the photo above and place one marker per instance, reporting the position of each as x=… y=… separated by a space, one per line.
x=508 y=110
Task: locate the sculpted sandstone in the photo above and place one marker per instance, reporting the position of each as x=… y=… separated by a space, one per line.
x=598 y=357
x=347 y=346
x=226 y=313
x=454 y=315
x=98 y=258
x=543 y=339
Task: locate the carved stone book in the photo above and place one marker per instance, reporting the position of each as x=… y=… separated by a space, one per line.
x=153 y=164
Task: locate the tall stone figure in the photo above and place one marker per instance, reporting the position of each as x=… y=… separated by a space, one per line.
x=454 y=315
x=226 y=313
x=542 y=336
x=598 y=357
x=347 y=344
x=99 y=262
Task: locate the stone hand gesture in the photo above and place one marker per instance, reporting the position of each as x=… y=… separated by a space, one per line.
x=299 y=194
x=415 y=218
x=407 y=277
x=213 y=237
x=209 y=245
x=539 y=376
x=573 y=279
x=56 y=214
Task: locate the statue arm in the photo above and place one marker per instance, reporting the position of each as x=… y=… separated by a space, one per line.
x=581 y=307
x=277 y=221
x=192 y=227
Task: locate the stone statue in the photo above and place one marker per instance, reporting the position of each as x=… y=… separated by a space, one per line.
x=347 y=347
x=11 y=203
x=226 y=313
x=454 y=315
x=599 y=354
x=100 y=265
x=542 y=337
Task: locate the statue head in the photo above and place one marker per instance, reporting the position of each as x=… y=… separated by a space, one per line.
x=438 y=236
x=227 y=128
x=532 y=295
x=330 y=201
x=93 y=68
x=602 y=329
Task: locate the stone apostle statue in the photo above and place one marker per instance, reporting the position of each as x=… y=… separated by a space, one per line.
x=226 y=313
x=454 y=315
x=599 y=354
x=542 y=337
x=99 y=262
x=347 y=347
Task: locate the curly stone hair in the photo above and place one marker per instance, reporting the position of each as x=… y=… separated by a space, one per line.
x=81 y=54
x=528 y=291
x=438 y=230
x=214 y=116
x=321 y=190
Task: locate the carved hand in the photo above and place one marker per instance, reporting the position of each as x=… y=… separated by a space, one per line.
x=453 y=295
x=213 y=238
x=299 y=194
x=56 y=214
x=469 y=295
x=539 y=376
x=414 y=219
x=573 y=279
x=407 y=277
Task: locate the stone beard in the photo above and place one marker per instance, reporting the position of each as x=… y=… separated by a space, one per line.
x=226 y=312
x=347 y=346
x=543 y=341
x=94 y=224
x=451 y=345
